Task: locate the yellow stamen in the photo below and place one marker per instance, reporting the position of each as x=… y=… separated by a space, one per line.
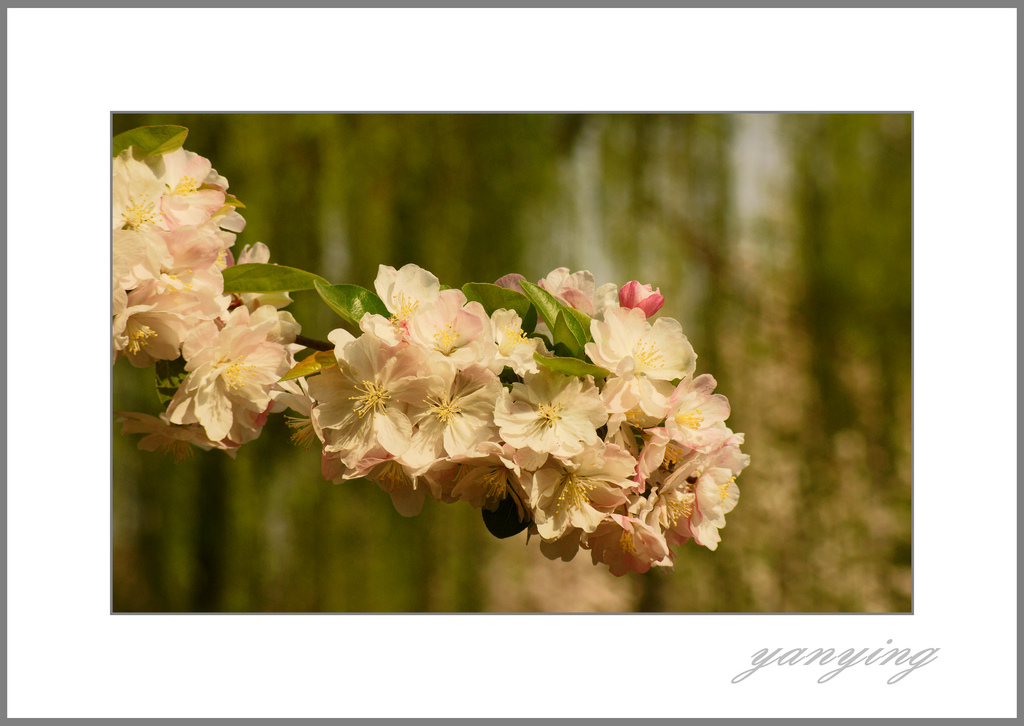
x=690 y=419
x=574 y=493
x=550 y=414
x=140 y=215
x=138 y=337
x=187 y=185
x=723 y=489
x=182 y=285
x=236 y=373
x=374 y=398
x=406 y=306
x=679 y=508
x=445 y=409
x=446 y=338
x=647 y=356
x=633 y=417
x=304 y=432
x=180 y=450
x=511 y=337
x=673 y=453
x=495 y=486
x=390 y=476
x=626 y=542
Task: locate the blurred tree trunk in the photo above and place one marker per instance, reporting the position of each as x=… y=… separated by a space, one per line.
x=211 y=539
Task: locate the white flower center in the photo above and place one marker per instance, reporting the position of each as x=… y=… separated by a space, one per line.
x=550 y=414
x=445 y=409
x=647 y=356
x=397 y=323
x=138 y=336
x=179 y=449
x=406 y=306
x=574 y=493
x=234 y=375
x=390 y=476
x=495 y=484
x=374 y=398
x=626 y=542
x=680 y=508
x=446 y=338
x=673 y=452
x=187 y=185
x=512 y=336
x=304 y=432
x=690 y=419
x=635 y=416
x=175 y=280
x=140 y=214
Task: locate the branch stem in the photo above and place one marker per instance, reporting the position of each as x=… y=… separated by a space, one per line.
x=313 y=343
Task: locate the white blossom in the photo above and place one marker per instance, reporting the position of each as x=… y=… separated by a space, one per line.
x=362 y=402
x=551 y=413
x=580 y=491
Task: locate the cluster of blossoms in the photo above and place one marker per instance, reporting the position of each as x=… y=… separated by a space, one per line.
x=588 y=429
x=442 y=398
x=173 y=227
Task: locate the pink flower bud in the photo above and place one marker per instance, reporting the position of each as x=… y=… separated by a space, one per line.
x=635 y=295
x=511 y=282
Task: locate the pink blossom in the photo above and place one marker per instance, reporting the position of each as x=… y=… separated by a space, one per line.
x=487 y=476
x=452 y=330
x=171 y=439
x=573 y=289
x=231 y=372
x=627 y=543
x=185 y=200
x=635 y=295
x=694 y=412
x=563 y=548
x=384 y=469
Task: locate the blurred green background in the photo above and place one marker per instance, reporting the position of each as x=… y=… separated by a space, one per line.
x=782 y=243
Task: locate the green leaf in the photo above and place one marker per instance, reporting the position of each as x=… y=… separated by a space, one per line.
x=581 y=319
x=568 y=332
x=530 y=320
x=549 y=307
x=508 y=376
x=260 y=277
x=546 y=304
x=351 y=301
x=572 y=366
x=561 y=350
x=320 y=360
x=494 y=298
x=503 y=521
x=169 y=375
x=151 y=140
x=547 y=343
